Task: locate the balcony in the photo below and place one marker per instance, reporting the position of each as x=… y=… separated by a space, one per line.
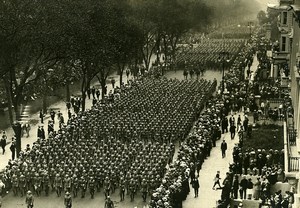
x=280 y=56
x=283 y=28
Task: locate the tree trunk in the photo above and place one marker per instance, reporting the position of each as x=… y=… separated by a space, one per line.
x=83 y=101
x=83 y=91
x=68 y=96
x=8 y=94
x=17 y=112
x=121 y=78
x=102 y=83
x=44 y=103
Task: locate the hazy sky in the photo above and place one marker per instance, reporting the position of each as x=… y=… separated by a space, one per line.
x=264 y=3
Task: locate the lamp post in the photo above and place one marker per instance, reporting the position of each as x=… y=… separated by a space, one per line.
x=223 y=58
x=250 y=25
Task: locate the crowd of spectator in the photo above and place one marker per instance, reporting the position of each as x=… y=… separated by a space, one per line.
x=197 y=146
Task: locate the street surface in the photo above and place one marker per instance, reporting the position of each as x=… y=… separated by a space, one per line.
x=207 y=196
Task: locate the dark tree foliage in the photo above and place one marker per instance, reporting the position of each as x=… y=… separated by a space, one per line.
x=50 y=42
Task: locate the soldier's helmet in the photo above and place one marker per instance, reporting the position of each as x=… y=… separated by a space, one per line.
x=67 y=193
x=29 y=192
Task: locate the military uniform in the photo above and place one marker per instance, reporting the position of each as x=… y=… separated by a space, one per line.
x=68 y=200
x=144 y=189
x=46 y=183
x=58 y=184
x=92 y=186
x=29 y=200
x=132 y=188
x=22 y=185
x=67 y=183
x=82 y=184
x=75 y=185
x=122 y=189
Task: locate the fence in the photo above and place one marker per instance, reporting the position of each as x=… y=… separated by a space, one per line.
x=292 y=135
x=294 y=164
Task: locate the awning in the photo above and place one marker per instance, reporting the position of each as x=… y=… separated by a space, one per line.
x=278 y=7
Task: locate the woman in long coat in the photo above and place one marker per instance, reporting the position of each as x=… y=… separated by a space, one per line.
x=257 y=189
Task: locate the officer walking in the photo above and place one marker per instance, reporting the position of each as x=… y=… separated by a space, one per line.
x=109 y=203
x=68 y=200
x=29 y=199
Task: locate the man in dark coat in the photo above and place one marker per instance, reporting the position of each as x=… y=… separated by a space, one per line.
x=244 y=186
x=232 y=131
x=13 y=150
x=93 y=92
x=3 y=143
x=52 y=115
x=41 y=132
x=41 y=116
x=224 y=125
x=88 y=92
x=223 y=148
x=113 y=81
x=195 y=185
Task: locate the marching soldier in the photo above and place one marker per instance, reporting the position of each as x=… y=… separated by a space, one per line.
x=52 y=178
x=46 y=183
x=15 y=184
x=67 y=183
x=82 y=184
x=122 y=189
x=68 y=200
x=144 y=189
x=28 y=180
x=98 y=179
x=106 y=186
x=22 y=185
x=132 y=189
x=75 y=185
x=58 y=184
x=92 y=187
x=109 y=203
x=29 y=199
x=37 y=183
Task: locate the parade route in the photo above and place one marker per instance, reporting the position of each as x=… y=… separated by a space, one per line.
x=11 y=201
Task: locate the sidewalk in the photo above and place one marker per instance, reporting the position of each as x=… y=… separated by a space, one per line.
x=207 y=196
x=59 y=106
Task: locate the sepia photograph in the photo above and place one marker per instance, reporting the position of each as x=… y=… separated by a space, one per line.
x=149 y=103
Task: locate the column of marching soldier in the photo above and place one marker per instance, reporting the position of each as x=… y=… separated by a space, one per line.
x=123 y=145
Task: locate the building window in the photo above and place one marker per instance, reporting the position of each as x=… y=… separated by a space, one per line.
x=284 y=18
x=283 y=43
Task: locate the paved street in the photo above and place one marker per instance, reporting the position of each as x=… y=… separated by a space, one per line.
x=11 y=201
x=207 y=196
